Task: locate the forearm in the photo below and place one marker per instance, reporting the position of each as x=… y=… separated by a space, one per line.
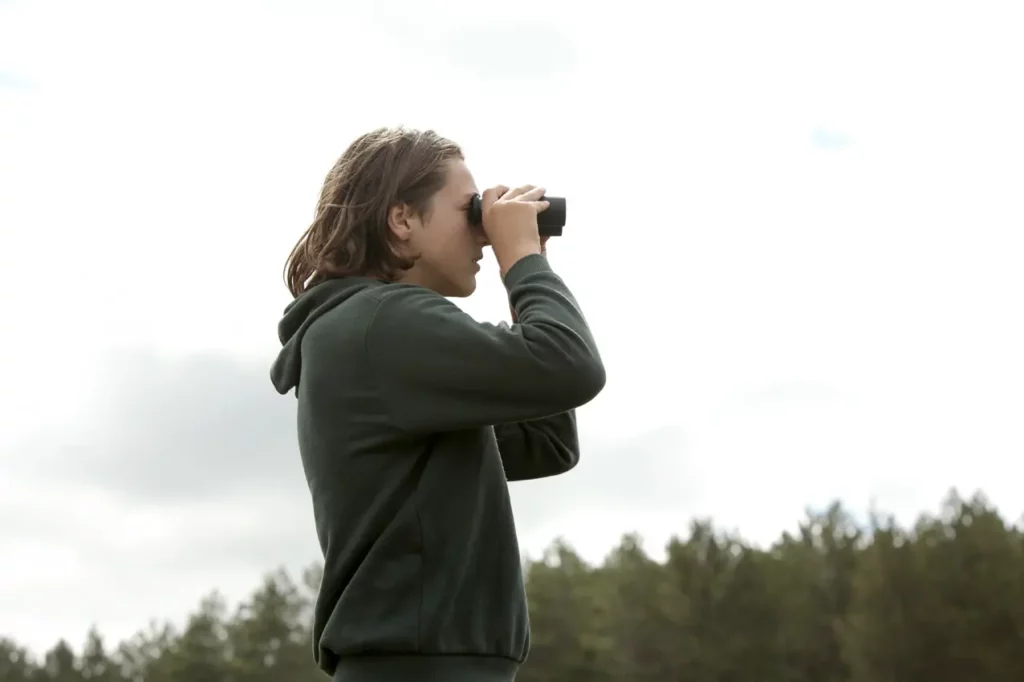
x=543 y=252
x=539 y=448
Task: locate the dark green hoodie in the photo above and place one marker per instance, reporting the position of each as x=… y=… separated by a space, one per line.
x=412 y=417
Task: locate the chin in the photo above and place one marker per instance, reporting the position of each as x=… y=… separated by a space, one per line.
x=466 y=291
x=460 y=289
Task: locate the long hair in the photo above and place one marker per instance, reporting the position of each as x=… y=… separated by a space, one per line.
x=349 y=234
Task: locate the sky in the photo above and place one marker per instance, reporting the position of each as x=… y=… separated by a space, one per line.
x=796 y=229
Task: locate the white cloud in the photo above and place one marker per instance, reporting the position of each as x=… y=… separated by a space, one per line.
x=796 y=322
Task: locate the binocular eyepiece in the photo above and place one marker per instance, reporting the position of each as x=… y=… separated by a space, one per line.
x=550 y=221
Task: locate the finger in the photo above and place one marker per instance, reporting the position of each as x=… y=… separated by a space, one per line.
x=540 y=206
x=492 y=194
x=519 y=192
x=534 y=194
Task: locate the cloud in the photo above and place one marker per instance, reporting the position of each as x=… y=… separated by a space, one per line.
x=178 y=429
x=642 y=473
x=15 y=82
x=826 y=138
x=483 y=41
x=494 y=51
x=196 y=455
x=180 y=432
x=183 y=476
x=197 y=428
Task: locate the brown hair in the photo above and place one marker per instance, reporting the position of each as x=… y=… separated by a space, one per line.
x=350 y=235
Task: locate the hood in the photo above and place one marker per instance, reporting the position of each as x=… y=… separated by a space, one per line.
x=299 y=315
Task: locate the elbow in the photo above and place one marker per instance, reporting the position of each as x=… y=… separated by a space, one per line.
x=594 y=378
x=563 y=462
x=567 y=464
x=562 y=466
x=586 y=380
x=570 y=371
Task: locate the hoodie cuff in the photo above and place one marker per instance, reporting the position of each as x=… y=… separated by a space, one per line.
x=524 y=267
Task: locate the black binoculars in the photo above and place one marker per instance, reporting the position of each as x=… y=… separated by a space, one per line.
x=550 y=221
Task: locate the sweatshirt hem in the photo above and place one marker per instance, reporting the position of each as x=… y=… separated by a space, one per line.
x=426 y=668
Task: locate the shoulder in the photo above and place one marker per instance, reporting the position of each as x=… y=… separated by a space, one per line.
x=404 y=304
x=345 y=321
x=415 y=319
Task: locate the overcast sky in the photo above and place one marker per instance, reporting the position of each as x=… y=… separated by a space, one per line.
x=796 y=229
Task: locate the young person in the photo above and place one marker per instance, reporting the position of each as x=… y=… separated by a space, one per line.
x=413 y=416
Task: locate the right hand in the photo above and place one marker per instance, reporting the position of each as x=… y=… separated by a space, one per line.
x=510 y=222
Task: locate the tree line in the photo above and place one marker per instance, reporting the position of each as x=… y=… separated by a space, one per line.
x=834 y=601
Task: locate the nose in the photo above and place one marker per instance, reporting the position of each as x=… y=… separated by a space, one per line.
x=481 y=237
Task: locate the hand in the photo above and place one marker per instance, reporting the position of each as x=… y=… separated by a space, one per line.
x=510 y=222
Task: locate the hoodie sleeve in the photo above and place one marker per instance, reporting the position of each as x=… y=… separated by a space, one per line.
x=539 y=448
x=441 y=370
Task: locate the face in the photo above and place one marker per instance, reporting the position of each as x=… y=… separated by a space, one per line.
x=448 y=247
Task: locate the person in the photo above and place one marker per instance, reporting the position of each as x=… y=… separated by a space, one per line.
x=413 y=417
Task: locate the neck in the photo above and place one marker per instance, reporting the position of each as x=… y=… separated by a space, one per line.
x=414 y=276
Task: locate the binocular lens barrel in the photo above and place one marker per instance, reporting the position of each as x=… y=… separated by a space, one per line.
x=549 y=221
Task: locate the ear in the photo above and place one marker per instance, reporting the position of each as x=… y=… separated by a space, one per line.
x=401 y=221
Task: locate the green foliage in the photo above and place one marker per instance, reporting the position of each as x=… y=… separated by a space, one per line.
x=833 y=602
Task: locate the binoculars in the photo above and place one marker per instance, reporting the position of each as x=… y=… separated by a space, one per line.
x=550 y=221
